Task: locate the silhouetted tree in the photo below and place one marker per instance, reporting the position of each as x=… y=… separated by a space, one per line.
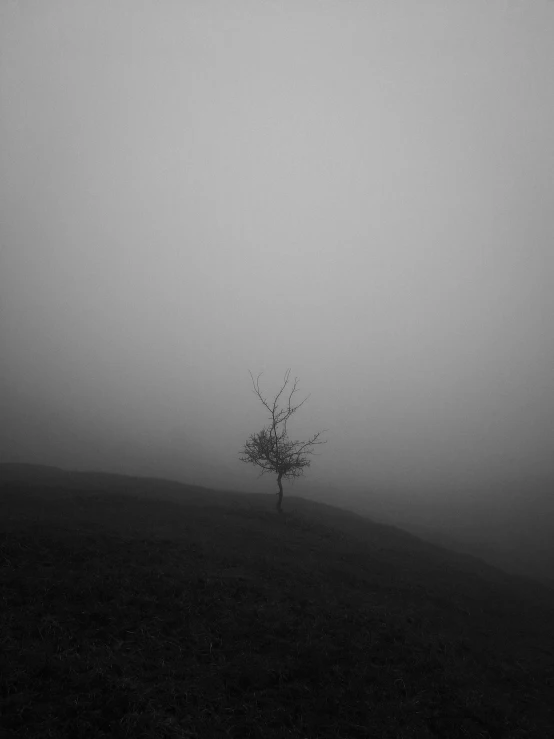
x=271 y=449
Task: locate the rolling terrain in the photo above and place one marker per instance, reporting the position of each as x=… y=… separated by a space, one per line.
x=134 y=607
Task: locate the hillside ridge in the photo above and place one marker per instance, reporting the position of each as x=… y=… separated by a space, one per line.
x=134 y=607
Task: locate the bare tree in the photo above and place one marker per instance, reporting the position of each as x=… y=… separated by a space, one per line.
x=271 y=449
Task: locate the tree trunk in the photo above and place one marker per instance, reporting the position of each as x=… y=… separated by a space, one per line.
x=280 y=493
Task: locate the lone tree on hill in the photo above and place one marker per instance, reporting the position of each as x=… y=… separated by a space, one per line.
x=271 y=449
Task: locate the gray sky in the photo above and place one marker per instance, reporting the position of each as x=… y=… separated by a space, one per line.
x=361 y=191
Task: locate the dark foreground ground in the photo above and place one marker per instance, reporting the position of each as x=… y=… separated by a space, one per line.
x=209 y=615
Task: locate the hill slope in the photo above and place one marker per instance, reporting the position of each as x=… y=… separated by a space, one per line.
x=145 y=608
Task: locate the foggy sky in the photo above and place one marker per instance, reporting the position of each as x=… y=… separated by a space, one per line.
x=360 y=191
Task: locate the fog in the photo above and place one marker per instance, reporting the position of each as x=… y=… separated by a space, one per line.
x=360 y=191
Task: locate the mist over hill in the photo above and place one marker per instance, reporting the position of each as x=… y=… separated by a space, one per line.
x=358 y=191
x=515 y=533
x=492 y=542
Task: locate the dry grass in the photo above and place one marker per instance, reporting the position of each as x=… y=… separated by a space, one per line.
x=126 y=616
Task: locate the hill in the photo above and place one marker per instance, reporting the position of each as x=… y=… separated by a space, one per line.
x=134 y=607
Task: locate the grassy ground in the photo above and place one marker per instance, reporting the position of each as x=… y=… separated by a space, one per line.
x=125 y=616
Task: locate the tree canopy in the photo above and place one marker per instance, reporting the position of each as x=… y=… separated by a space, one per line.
x=272 y=449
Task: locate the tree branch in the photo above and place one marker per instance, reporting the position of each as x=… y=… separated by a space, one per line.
x=271 y=449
